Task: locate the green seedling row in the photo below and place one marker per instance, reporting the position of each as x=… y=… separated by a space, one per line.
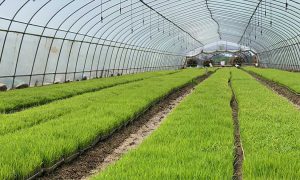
x=28 y=149
x=10 y=123
x=285 y=78
x=194 y=142
x=23 y=98
x=270 y=130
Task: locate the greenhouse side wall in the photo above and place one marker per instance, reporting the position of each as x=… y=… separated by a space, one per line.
x=39 y=60
x=284 y=55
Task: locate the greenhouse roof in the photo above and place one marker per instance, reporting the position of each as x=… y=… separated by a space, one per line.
x=166 y=25
x=50 y=37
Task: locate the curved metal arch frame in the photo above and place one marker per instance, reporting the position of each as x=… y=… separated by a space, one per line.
x=161 y=37
x=51 y=43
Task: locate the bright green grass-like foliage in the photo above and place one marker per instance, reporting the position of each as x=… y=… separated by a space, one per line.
x=194 y=142
x=22 y=98
x=28 y=149
x=10 y=123
x=270 y=131
x=286 y=78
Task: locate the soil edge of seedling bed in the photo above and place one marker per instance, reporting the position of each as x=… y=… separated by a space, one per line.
x=112 y=147
x=278 y=89
x=238 y=148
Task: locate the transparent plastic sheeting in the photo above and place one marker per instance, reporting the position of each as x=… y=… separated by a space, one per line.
x=44 y=41
x=269 y=27
x=47 y=41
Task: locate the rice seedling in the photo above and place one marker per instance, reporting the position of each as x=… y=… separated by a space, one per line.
x=270 y=130
x=34 y=144
x=194 y=142
x=285 y=78
x=13 y=122
x=23 y=98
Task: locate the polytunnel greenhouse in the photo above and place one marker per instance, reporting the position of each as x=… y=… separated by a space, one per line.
x=149 y=89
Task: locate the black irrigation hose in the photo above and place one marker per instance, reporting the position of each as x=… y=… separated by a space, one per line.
x=210 y=12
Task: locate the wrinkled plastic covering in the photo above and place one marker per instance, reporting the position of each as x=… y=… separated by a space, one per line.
x=47 y=41
x=268 y=27
x=44 y=41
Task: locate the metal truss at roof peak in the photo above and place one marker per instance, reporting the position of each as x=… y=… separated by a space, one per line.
x=44 y=41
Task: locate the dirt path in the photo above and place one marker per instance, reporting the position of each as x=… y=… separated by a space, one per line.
x=111 y=149
x=281 y=90
x=238 y=148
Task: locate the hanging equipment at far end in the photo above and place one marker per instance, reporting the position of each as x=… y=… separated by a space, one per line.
x=131 y=16
x=102 y=11
x=120 y=6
